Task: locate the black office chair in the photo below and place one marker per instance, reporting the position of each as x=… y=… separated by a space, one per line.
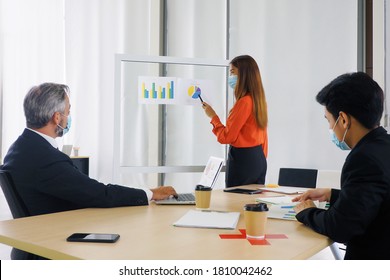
x=15 y=203
x=297 y=177
x=18 y=210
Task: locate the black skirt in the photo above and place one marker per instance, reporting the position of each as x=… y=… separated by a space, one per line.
x=245 y=166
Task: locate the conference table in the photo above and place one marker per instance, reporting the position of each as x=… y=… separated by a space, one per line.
x=147 y=233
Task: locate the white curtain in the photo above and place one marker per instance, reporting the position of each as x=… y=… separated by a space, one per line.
x=72 y=42
x=32 y=52
x=95 y=31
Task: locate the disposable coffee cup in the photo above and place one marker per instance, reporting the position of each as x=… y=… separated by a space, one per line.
x=76 y=151
x=202 y=197
x=255 y=220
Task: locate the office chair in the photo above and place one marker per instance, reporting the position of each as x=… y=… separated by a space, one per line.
x=18 y=210
x=15 y=203
x=297 y=177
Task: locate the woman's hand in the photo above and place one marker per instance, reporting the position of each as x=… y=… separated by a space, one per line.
x=208 y=110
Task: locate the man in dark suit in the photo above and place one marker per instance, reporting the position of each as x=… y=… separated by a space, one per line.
x=359 y=213
x=46 y=179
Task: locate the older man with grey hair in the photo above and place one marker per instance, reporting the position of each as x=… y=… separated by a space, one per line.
x=46 y=179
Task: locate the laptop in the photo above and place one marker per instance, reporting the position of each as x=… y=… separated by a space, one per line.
x=209 y=178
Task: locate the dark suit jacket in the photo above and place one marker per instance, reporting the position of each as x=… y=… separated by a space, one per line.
x=48 y=182
x=359 y=214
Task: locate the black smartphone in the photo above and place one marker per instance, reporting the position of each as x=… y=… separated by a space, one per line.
x=244 y=191
x=93 y=237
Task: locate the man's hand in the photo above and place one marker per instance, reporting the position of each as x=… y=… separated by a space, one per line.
x=314 y=194
x=304 y=205
x=163 y=192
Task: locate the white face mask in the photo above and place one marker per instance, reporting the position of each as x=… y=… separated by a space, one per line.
x=232 y=81
x=341 y=144
x=65 y=130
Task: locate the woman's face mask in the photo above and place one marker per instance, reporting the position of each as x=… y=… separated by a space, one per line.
x=232 y=81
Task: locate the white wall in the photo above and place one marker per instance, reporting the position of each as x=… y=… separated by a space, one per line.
x=300 y=46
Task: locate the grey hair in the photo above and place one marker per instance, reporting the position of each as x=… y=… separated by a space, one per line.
x=42 y=101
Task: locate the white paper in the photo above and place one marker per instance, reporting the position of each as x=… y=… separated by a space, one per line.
x=208 y=219
x=280 y=207
x=286 y=190
x=277 y=200
x=282 y=211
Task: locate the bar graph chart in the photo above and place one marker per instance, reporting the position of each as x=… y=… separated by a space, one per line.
x=173 y=90
x=157 y=90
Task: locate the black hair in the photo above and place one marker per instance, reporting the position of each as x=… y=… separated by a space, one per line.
x=356 y=94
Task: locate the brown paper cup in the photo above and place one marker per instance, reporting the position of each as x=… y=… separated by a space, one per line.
x=202 y=199
x=255 y=221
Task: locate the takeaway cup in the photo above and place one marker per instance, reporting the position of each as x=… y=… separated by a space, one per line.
x=255 y=220
x=202 y=197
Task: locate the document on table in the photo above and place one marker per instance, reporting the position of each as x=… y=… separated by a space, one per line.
x=208 y=219
x=277 y=200
x=285 y=190
x=280 y=207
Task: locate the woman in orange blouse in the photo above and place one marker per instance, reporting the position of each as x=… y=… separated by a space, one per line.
x=246 y=126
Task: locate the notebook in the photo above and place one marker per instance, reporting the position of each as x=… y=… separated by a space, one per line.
x=208 y=179
x=209 y=219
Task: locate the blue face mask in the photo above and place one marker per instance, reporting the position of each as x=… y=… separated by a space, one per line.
x=68 y=124
x=232 y=81
x=341 y=144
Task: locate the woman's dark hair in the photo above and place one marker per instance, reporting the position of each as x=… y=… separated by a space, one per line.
x=356 y=94
x=249 y=82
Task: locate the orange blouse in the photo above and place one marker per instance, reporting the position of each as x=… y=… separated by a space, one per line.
x=241 y=130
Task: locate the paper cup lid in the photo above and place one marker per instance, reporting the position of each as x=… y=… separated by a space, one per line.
x=202 y=188
x=259 y=207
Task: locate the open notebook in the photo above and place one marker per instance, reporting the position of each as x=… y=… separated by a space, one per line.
x=209 y=178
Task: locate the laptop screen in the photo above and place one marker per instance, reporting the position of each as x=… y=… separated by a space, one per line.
x=211 y=171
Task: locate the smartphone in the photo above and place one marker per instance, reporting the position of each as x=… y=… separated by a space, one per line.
x=244 y=191
x=93 y=237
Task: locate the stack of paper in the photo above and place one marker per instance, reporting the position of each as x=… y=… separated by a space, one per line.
x=277 y=200
x=209 y=219
x=280 y=207
x=285 y=190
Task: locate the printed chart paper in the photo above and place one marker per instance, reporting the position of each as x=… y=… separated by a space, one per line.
x=172 y=90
